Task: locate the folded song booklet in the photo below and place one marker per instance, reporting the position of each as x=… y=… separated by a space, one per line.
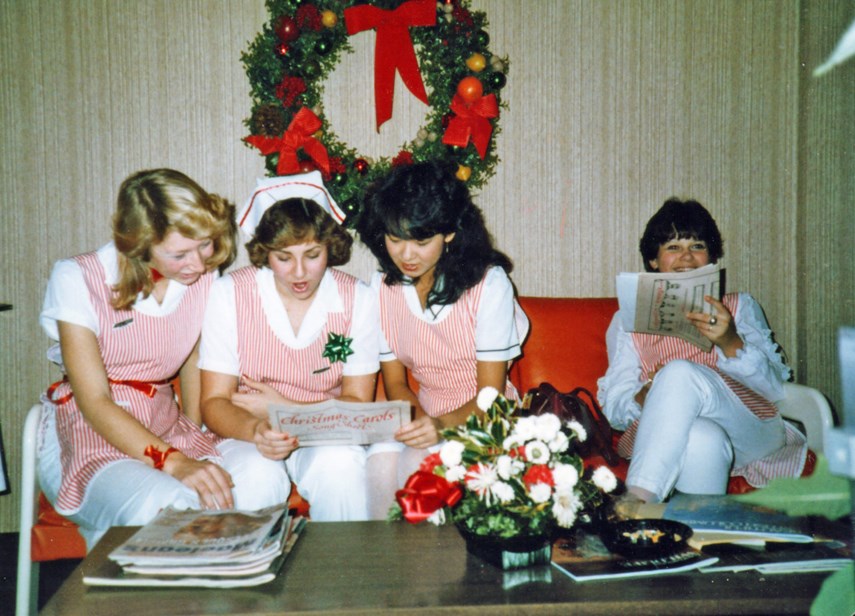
x=334 y=422
x=657 y=303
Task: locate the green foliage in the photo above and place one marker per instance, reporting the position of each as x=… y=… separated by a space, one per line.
x=820 y=494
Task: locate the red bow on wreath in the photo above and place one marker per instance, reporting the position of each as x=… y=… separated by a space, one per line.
x=298 y=135
x=424 y=493
x=393 y=48
x=472 y=120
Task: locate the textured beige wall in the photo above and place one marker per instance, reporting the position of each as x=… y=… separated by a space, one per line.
x=613 y=107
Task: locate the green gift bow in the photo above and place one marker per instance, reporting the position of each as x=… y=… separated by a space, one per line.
x=337 y=348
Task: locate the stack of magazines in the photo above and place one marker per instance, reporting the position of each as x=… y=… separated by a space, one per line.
x=221 y=549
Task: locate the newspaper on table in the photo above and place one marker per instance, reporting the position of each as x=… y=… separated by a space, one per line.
x=657 y=303
x=335 y=422
x=203 y=549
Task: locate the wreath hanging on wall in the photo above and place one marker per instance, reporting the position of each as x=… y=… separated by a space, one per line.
x=440 y=50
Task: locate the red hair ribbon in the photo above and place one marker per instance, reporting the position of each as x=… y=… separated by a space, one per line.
x=393 y=48
x=298 y=135
x=472 y=120
x=425 y=493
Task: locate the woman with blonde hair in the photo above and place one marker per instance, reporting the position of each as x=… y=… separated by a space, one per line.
x=116 y=447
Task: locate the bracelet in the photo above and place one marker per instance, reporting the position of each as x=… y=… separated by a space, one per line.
x=157 y=456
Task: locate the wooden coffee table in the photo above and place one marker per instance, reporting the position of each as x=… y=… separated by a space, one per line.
x=366 y=567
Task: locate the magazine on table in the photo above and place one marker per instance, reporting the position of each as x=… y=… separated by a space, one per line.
x=657 y=303
x=721 y=519
x=779 y=557
x=584 y=557
x=221 y=549
x=334 y=422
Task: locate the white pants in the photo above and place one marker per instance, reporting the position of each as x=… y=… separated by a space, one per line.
x=130 y=492
x=333 y=480
x=693 y=430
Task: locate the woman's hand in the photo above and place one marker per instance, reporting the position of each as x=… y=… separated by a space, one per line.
x=272 y=444
x=641 y=396
x=211 y=482
x=420 y=433
x=258 y=401
x=718 y=328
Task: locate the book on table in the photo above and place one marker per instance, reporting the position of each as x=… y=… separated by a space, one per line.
x=722 y=519
x=337 y=422
x=584 y=557
x=657 y=303
x=203 y=548
x=778 y=557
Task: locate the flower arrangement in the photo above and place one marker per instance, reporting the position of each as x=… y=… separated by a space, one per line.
x=503 y=476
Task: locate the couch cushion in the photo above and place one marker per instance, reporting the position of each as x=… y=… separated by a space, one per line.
x=567 y=342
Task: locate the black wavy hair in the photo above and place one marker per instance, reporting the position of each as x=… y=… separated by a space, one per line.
x=420 y=201
x=680 y=220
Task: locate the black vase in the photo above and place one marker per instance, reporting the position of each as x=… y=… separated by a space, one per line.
x=511 y=552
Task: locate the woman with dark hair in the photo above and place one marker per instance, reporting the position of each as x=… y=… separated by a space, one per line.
x=447 y=308
x=693 y=418
x=116 y=446
x=266 y=331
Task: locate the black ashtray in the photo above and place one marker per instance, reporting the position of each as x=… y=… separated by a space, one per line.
x=645 y=539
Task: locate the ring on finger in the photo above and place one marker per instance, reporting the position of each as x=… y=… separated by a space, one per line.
x=713 y=320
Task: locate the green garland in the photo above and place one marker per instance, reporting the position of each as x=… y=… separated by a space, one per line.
x=289 y=60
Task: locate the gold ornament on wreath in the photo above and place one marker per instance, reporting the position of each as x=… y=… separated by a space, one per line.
x=439 y=49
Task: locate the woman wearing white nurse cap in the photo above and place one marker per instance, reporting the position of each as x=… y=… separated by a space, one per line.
x=270 y=190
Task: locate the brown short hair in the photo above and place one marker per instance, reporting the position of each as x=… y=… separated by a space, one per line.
x=295 y=221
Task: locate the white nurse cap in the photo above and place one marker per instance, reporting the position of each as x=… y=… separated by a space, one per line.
x=270 y=190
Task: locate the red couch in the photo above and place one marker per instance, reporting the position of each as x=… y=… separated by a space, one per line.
x=566 y=347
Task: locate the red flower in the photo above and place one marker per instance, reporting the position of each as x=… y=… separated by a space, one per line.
x=402 y=159
x=430 y=463
x=308 y=17
x=539 y=473
x=289 y=89
x=517 y=452
x=462 y=16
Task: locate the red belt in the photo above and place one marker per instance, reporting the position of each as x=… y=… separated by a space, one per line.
x=149 y=388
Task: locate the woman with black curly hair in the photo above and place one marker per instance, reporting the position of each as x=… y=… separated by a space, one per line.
x=447 y=307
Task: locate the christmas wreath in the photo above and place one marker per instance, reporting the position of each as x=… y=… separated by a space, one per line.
x=440 y=49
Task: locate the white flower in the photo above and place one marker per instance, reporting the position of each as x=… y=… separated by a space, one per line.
x=581 y=433
x=565 y=477
x=455 y=473
x=503 y=491
x=525 y=429
x=546 y=426
x=564 y=508
x=480 y=479
x=537 y=452
x=508 y=467
x=559 y=443
x=540 y=492
x=451 y=453
x=437 y=518
x=604 y=479
x=486 y=397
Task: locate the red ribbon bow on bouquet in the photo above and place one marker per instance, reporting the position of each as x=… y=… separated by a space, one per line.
x=472 y=120
x=393 y=49
x=425 y=493
x=298 y=135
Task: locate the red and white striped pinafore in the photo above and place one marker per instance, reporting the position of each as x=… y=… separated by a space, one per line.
x=141 y=355
x=440 y=354
x=656 y=351
x=302 y=375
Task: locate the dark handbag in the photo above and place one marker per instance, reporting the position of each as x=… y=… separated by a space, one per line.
x=546 y=399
